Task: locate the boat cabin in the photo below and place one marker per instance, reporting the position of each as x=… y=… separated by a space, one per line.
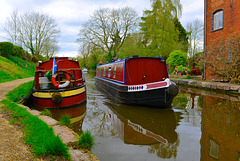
x=140 y=70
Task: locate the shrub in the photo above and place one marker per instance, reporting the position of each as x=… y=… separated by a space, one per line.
x=6 y=49
x=86 y=140
x=177 y=58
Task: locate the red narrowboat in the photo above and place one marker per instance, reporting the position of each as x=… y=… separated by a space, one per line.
x=137 y=80
x=58 y=83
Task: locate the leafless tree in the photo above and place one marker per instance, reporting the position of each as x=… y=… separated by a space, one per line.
x=223 y=59
x=11 y=28
x=195 y=37
x=107 y=29
x=34 y=30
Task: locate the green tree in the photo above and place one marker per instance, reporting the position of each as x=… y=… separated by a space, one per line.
x=177 y=58
x=182 y=35
x=160 y=35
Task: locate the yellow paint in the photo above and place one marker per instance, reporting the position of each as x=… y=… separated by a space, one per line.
x=64 y=93
x=78 y=118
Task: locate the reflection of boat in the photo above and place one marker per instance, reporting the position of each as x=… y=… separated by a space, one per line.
x=137 y=80
x=58 y=83
x=76 y=112
x=144 y=126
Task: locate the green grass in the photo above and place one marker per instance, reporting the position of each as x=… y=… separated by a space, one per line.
x=65 y=120
x=46 y=112
x=86 y=140
x=37 y=133
x=20 y=92
x=15 y=68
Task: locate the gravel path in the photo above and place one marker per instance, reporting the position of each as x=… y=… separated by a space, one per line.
x=12 y=146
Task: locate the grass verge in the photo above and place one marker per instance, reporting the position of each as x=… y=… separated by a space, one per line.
x=38 y=134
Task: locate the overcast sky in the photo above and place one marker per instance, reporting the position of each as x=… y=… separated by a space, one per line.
x=71 y=14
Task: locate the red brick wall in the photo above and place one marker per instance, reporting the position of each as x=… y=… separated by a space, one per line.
x=231 y=23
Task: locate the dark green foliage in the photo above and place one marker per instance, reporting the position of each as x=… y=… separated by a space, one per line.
x=6 y=49
x=182 y=34
x=17 y=51
x=86 y=140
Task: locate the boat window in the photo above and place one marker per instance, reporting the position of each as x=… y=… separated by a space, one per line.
x=104 y=71
x=109 y=71
x=114 y=72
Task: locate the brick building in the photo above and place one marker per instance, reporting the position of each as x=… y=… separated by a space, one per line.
x=222 y=20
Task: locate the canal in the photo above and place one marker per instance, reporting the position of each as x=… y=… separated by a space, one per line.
x=201 y=126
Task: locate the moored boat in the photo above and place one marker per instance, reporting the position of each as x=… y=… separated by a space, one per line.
x=137 y=80
x=58 y=83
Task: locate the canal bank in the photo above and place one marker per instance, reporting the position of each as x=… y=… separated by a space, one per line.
x=12 y=144
x=215 y=86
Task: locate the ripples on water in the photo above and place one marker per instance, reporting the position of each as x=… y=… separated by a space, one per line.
x=201 y=125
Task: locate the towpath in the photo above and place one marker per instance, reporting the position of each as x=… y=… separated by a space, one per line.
x=12 y=146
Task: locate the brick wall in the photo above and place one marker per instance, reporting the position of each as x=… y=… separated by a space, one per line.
x=231 y=23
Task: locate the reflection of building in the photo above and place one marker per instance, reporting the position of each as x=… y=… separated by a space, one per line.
x=146 y=127
x=220 y=130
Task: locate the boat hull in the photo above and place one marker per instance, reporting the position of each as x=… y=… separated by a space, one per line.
x=156 y=97
x=69 y=97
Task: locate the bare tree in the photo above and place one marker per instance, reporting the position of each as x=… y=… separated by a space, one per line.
x=11 y=28
x=49 y=48
x=34 y=30
x=195 y=30
x=108 y=28
x=223 y=59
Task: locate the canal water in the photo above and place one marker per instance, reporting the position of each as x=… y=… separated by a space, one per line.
x=200 y=126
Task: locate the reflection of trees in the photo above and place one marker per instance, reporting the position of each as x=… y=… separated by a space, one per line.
x=164 y=151
x=180 y=101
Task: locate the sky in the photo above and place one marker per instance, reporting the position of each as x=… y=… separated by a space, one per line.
x=71 y=14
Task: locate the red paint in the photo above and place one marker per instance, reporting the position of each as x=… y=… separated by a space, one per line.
x=68 y=101
x=135 y=71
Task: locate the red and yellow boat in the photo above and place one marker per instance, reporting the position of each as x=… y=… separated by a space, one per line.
x=58 y=83
x=137 y=80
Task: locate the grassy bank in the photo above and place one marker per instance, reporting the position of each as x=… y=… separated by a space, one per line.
x=38 y=134
x=15 y=68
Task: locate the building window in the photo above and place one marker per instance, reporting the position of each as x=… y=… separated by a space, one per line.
x=217 y=20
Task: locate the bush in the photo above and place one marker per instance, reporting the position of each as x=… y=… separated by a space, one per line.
x=18 y=51
x=86 y=140
x=6 y=49
x=177 y=58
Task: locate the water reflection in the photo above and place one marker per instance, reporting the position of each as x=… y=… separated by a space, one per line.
x=220 y=129
x=202 y=125
x=76 y=113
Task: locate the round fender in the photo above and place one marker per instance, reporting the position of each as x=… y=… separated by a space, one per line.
x=57 y=97
x=58 y=85
x=173 y=90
